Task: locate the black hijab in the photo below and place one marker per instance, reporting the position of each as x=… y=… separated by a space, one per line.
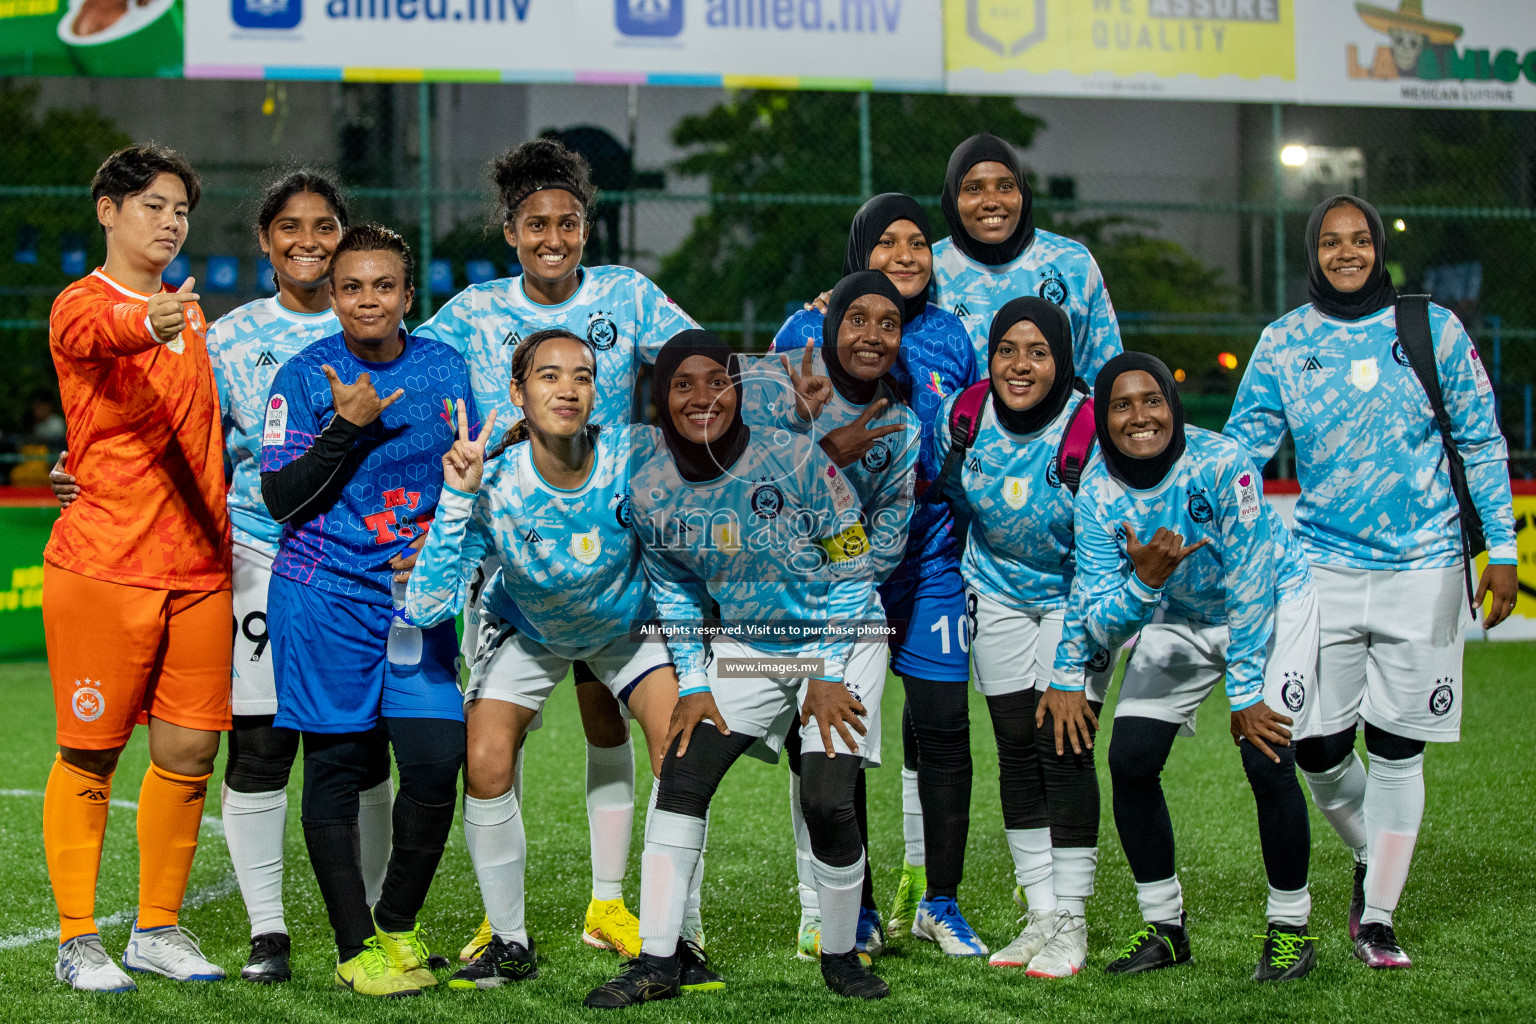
x=854 y=390
x=1053 y=323
x=696 y=462
x=1139 y=474
x=979 y=149
x=872 y=220
x=1376 y=294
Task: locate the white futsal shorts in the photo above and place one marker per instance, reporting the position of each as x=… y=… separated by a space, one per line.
x=253 y=691
x=1013 y=650
x=1390 y=649
x=1177 y=662
x=513 y=667
x=768 y=707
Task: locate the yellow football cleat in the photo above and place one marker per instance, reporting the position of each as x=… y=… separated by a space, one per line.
x=372 y=973
x=470 y=953
x=610 y=925
x=407 y=952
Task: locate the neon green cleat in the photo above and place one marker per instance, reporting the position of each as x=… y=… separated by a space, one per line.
x=909 y=893
x=373 y=973
x=407 y=951
x=470 y=953
x=610 y=925
x=809 y=947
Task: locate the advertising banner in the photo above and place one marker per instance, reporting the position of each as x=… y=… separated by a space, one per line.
x=884 y=44
x=91 y=37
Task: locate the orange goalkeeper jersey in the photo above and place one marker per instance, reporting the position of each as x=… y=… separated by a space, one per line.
x=145 y=443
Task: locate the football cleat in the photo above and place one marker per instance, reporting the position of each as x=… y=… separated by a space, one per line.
x=693 y=970
x=909 y=893
x=498 y=963
x=1065 y=953
x=1155 y=946
x=1376 y=946
x=171 y=951
x=476 y=946
x=870 y=940
x=939 y=920
x=610 y=925
x=846 y=975
x=1288 y=954
x=269 y=959
x=809 y=946
x=408 y=952
x=85 y=965
x=644 y=979
x=1039 y=927
x=1357 y=902
x=372 y=973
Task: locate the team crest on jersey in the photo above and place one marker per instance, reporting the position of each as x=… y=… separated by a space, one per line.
x=601 y=331
x=1247 y=491
x=1364 y=373
x=585 y=547
x=767 y=501
x=1442 y=698
x=1052 y=474
x=1052 y=287
x=877 y=458
x=1199 y=507
x=87 y=701
x=1400 y=355
x=276 y=427
x=1100 y=660
x=624 y=511
x=1015 y=492
x=1293 y=692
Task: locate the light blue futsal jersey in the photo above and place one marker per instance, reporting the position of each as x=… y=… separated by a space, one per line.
x=619 y=310
x=1053 y=267
x=1250 y=565
x=776 y=541
x=1375 y=491
x=570 y=573
x=247 y=345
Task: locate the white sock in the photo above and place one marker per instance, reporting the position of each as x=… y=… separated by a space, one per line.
x=673 y=844
x=1161 y=902
x=498 y=848
x=809 y=907
x=693 y=918
x=1394 y=808
x=912 y=820
x=1031 y=849
x=253 y=828
x=610 y=815
x=1072 y=868
x=375 y=832
x=838 y=891
x=517 y=772
x=1339 y=793
x=1293 y=908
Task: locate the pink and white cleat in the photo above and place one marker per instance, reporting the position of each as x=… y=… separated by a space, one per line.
x=1376 y=946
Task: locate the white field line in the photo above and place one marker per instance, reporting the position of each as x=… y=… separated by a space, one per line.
x=195 y=898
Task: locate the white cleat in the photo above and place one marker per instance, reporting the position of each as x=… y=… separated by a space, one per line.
x=1066 y=952
x=1039 y=927
x=84 y=965
x=171 y=951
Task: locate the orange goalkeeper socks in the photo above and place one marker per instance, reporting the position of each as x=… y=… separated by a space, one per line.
x=74 y=822
x=170 y=811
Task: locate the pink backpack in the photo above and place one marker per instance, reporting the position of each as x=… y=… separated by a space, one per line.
x=965 y=423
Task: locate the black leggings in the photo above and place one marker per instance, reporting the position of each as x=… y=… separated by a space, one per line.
x=1038 y=788
x=261 y=756
x=430 y=755
x=941 y=734
x=860 y=811
x=1323 y=753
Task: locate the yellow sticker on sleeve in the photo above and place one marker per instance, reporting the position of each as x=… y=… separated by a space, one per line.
x=848 y=544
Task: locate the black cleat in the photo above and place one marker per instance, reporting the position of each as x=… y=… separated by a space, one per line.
x=268 y=964
x=436 y=962
x=498 y=964
x=846 y=975
x=1288 y=954
x=1376 y=946
x=1357 y=902
x=693 y=971
x=644 y=979
x=1154 y=947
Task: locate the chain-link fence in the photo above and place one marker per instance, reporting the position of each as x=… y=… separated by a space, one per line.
x=738 y=204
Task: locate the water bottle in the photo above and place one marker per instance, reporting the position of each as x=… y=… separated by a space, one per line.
x=404 y=646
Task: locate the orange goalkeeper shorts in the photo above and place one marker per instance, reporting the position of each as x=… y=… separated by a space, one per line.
x=118 y=654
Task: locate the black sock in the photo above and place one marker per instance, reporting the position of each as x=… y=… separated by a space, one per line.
x=941 y=727
x=1285 y=835
x=421 y=832
x=861 y=809
x=1019 y=781
x=334 y=853
x=1071 y=788
x=1137 y=753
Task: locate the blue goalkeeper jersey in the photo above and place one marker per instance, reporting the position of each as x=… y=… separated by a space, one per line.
x=570 y=561
x=1250 y=565
x=393 y=474
x=247 y=345
x=620 y=311
x=1054 y=267
x=936 y=361
x=776 y=541
x=1375 y=491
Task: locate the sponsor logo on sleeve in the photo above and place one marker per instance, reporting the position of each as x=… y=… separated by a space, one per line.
x=1246 y=487
x=1479 y=373
x=276 y=427
x=848 y=544
x=842 y=494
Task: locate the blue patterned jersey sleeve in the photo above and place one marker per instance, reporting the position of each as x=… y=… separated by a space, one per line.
x=1248 y=577
x=1468 y=396
x=657 y=318
x=889 y=508
x=1257 y=421
x=679 y=598
x=457 y=544
x=1113 y=602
